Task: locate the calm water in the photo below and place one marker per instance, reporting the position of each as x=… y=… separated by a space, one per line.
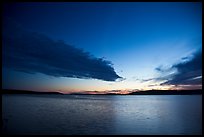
x=92 y=114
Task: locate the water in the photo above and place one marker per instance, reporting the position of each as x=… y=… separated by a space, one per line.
x=92 y=114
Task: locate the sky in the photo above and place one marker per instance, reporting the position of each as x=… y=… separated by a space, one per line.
x=101 y=46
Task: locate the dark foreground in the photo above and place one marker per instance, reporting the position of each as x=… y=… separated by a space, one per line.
x=102 y=115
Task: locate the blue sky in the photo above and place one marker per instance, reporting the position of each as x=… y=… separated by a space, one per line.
x=135 y=37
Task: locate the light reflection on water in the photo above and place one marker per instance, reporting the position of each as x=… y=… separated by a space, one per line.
x=102 y=114
x=159 y=115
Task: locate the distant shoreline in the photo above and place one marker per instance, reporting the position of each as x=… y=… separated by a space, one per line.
x=148 y=92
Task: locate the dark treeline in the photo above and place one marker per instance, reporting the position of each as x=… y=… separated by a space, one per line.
x=168 y=92
x=148 y=92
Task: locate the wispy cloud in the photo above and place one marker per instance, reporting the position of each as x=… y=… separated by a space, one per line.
x=33 y=52
x=188 y=72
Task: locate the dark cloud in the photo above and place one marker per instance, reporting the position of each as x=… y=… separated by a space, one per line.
x=146 y=80
x=32 y=52
x=160 y=69
x=188 y=72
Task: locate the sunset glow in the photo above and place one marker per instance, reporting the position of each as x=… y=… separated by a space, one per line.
x=84 y=47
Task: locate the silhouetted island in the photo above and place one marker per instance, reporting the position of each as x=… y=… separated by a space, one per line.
x=168 y=92
x=147 y=92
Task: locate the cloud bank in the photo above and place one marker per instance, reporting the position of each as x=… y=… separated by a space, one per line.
x=33 y=52
x=188 y=72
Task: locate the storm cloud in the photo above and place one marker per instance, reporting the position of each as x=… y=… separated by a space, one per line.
x=33 y=52
x=188 y=72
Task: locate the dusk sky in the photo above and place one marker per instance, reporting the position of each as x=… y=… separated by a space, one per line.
x=75 y=47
